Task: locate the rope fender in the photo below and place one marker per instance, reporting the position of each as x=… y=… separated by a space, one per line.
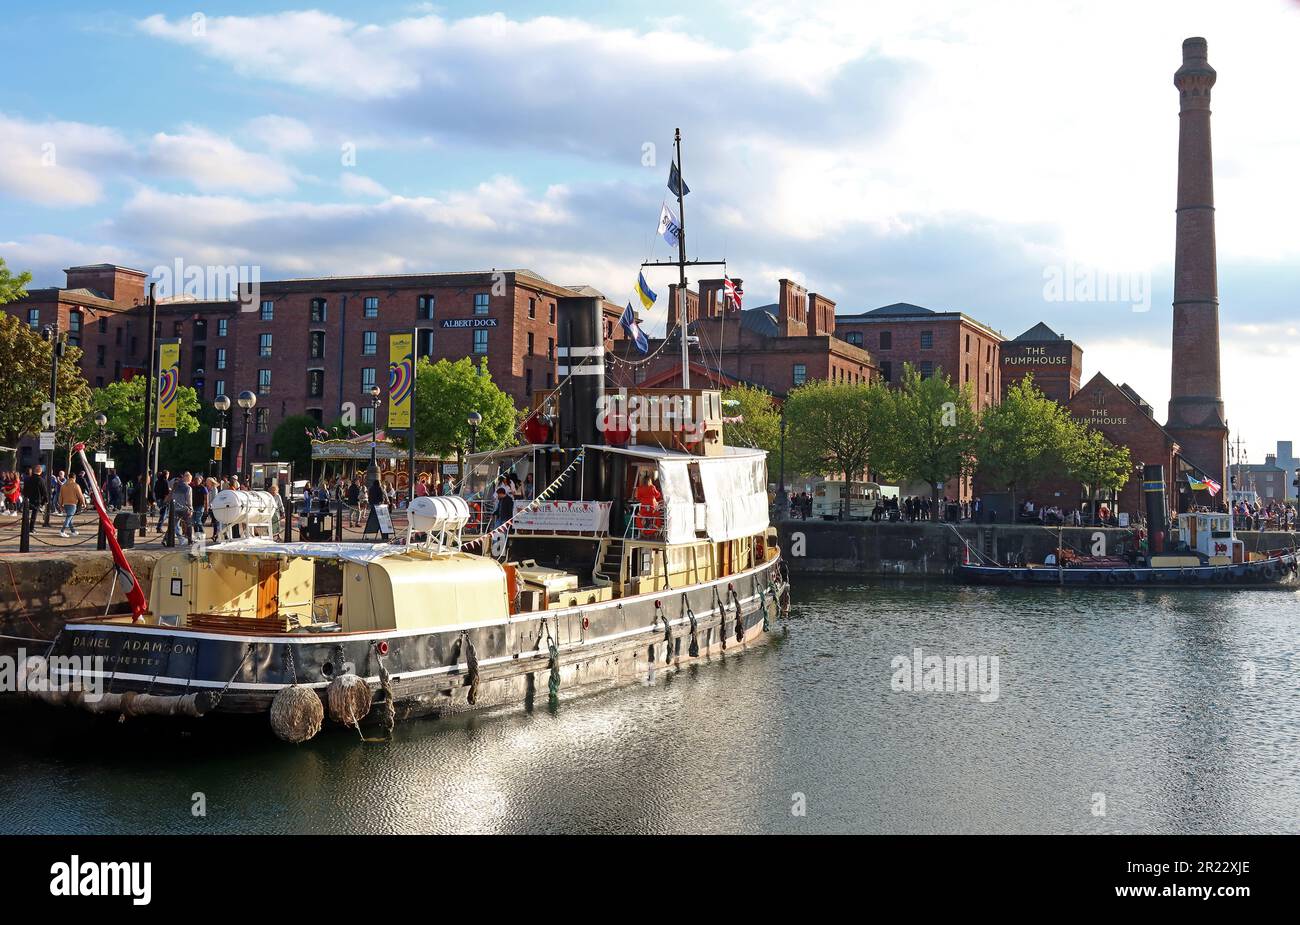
x=722 y=613
x=694 y=649
x=471 y=666
x=740 y=620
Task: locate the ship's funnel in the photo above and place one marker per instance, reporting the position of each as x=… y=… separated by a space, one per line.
x=581 y=361
x=1153 y=490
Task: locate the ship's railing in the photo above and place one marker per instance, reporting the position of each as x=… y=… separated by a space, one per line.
x=645 y=522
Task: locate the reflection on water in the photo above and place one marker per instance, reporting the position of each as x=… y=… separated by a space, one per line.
x=1182 y=709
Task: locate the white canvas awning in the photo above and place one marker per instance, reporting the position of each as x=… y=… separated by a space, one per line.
x=350 y=552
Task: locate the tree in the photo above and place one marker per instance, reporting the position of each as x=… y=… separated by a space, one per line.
x=12 y=287
x=831 y=426
x=290 y=440
x=445 y=393
x=123 y=404
x=1100 y=465
x=1024 y=439
x=928 y=432
x=25 y=358
x=753 y=418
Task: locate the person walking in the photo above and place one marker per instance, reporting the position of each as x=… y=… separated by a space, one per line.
x=36 y=491
x=70 y=498
x=181 y=499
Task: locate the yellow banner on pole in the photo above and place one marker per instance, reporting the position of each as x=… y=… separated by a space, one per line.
x=169 y=361
x=401 y=380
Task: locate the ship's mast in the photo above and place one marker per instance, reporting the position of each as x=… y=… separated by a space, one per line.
x=681 y=262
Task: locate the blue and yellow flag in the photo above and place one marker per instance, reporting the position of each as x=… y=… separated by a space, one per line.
x=644 y=292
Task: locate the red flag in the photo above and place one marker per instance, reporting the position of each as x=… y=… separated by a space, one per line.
x=135 y=594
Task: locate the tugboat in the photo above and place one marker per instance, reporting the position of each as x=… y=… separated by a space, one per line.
x=647 y=546
x=1201 y=551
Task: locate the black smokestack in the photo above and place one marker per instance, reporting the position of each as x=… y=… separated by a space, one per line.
x=1153 y=490
x=581 y=367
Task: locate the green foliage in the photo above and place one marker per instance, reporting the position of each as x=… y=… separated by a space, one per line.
x=123 y=404
x=1101 y=466
x=12 y=287
x=290 y=440
x=928 y=432
x=760 y=421
x=25 y=358
x=831 y=427
x=1024 y=439
x=445 y=393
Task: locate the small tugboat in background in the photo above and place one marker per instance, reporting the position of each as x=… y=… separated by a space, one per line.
x=1202 y=551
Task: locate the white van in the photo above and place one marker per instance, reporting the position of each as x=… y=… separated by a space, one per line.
x=827 y=500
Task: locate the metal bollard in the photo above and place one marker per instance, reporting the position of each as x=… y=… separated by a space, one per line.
x=24 y=534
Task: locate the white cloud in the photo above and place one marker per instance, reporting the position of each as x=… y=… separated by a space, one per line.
x=212 y=162
x=357 y=184
x=56 y=163
x=280 y=133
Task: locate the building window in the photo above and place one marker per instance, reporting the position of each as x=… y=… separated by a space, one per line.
x=117 y=369
x=219 y=388
x=319 y=311
x=550 y=379
x=74 y=329
x=530 y=343
x=886 y=340
x=200 y=329
x=368 y=414
x=264 y=382
x=263 y=418
x=927 y=369
x=371 y=306
x=967 y=379
x=480 y=341
x=317 y=343
x=800 y=373
x=117 y=336
x=423 y=343
x=424 y=308
x=103 y=325
x=528 y=382
x=177 y=327
x=221 y=358
x=268 y=310
x=887 y=371
x=223 y=325
x=33 y=318
x=550 y=348
x=369 y=343
x=968 y=343
x=100 y=351
x=855 y=338
x=552 y=307
x=199 y=359
x=264 y=345
x=99 y=382
x=315 y=383
x=927 y=340
x=532 y=308
x=367 y=378
x=480 y=303
x=317 y=414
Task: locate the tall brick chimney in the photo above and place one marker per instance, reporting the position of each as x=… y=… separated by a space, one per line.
x=792 y=309
x=1196 y=416
x=710 y=298
x=821 y=315
x=692 y=306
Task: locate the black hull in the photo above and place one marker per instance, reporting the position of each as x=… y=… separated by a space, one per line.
x=1277 y=572
x=429 y=672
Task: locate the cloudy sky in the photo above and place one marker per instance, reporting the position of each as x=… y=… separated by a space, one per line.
x=961 y=156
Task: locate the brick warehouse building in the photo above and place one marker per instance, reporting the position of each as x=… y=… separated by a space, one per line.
x=306 y=346
x=1056 y=363
x=777 y=347
x=950 y=343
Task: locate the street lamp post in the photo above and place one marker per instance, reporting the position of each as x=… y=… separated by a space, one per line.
x=474 y=419
x=374 y=430
x=247 y=401
x=58 y=343
x=222 y=404
x=782 y=502
x=101 y=419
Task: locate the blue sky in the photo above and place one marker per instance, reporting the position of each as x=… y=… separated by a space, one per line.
x=956 y=155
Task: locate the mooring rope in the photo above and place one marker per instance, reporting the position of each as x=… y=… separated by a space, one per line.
x=693 y=650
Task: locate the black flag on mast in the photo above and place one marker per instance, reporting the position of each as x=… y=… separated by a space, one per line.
x=675 y=181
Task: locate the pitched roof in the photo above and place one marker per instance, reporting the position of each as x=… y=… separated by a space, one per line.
x=900 y=308
x=1039 y=332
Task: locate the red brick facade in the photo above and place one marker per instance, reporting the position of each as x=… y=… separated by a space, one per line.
x=1055 y=363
